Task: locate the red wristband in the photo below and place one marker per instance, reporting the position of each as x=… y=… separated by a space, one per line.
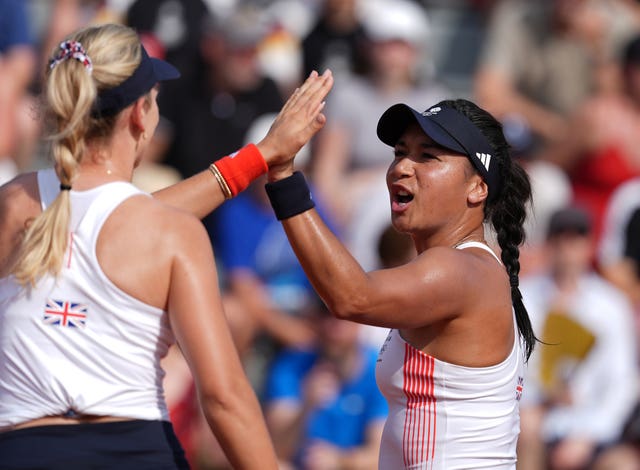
x=242 y=167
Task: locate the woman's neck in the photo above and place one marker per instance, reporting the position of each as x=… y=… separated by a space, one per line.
x=451 y=239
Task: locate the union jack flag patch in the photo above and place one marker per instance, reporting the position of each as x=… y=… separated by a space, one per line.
x=65 y=314
x=519 y=388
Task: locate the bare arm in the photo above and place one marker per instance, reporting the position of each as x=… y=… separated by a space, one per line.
x=583 y=134
x=199 y=195
x=454 y=304
x=286 y=422
x=287 y=417
x=18 y=203
x=298 y=121
x=498 y=95
x=330 y=163
x=286 y=425
x=288 y=330
x=410 y=296
x=622 y=273
x=198 y=321
x=366 y=456
x=323 y=455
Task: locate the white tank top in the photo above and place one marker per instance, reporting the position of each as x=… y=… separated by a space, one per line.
x=445 y=416
x=77 y=343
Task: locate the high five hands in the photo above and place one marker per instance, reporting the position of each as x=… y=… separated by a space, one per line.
x=298 y=121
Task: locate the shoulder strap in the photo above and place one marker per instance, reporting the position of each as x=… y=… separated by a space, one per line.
x=48 y=186
x=483 y=246
x=111 y=196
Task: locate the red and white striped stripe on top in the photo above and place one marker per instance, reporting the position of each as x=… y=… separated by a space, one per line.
x=419 y=435
x=444 y=416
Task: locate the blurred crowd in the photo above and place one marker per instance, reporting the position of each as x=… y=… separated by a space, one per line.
x=563 y=77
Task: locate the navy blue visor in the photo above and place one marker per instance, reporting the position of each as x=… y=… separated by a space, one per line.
x=150 y=71
x=448 y=128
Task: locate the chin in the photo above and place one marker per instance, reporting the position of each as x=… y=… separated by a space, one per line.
x=400 y=224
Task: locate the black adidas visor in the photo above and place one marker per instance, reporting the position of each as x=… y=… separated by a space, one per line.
x=150 y=71
x=448 y=128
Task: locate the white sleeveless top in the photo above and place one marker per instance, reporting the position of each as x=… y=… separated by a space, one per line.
x=445 y=416
x=77 y=343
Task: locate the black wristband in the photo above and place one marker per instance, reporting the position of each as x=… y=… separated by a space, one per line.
x=289 y=196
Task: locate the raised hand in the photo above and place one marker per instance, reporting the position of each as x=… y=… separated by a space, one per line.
x=298 y=121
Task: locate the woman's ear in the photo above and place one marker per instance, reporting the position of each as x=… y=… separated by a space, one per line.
x=138 y=112
x=479 y=191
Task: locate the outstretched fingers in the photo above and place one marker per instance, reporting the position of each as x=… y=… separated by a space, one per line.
x=295 y=96
x=300 y=118
x=312 y=92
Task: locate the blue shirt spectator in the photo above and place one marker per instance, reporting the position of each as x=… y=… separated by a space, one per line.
x=341 y=421
x=322 y=404
x=14 y=25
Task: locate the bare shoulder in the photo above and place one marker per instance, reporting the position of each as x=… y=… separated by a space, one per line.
x=19 y=203
x=19 y=195
x=470 y=291
x=151 y=239
x=453 y=259
x=460 y=269
x=169 y=224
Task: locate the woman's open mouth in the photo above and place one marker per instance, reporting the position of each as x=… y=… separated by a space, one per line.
x=400 y=200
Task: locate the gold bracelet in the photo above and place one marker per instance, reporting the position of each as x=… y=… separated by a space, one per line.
x=221 y=181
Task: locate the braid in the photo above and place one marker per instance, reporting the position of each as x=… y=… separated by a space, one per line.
x=507 y=217
x=70 y=95
x=508 y=211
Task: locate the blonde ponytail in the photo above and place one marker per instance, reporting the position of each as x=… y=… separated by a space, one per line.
x=71 y=91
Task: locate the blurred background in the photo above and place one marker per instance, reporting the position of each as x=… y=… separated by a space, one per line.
x=563 y=77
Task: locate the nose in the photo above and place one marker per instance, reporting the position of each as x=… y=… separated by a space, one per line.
x=400 y=167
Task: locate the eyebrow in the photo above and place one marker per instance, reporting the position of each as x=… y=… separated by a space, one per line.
x=436 y=146
x=430 y=145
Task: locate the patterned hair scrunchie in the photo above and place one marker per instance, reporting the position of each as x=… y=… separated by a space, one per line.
x=74 y=50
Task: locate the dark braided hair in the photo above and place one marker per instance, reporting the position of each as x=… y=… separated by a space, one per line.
x=508 y=210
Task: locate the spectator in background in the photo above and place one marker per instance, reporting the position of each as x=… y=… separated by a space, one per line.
x=17 y=67
x=618 y=256
x=322 y=404
x=336 y=40
x=171 y=30
x=600 y=150
x=50 y=21
x=66 y=16
x=394 y=248
x=551 y=190
x=213 y=118
x=176 y=26
x=581 y=385
x=266 y=290
x=348 y=163
x=180 y=394
x=620 y=457
x=542 y=59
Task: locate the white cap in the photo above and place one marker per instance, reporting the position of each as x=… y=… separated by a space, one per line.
x=395 y=19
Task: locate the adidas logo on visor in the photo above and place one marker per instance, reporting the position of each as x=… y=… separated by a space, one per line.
x=432 y=111
x=485 y=158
